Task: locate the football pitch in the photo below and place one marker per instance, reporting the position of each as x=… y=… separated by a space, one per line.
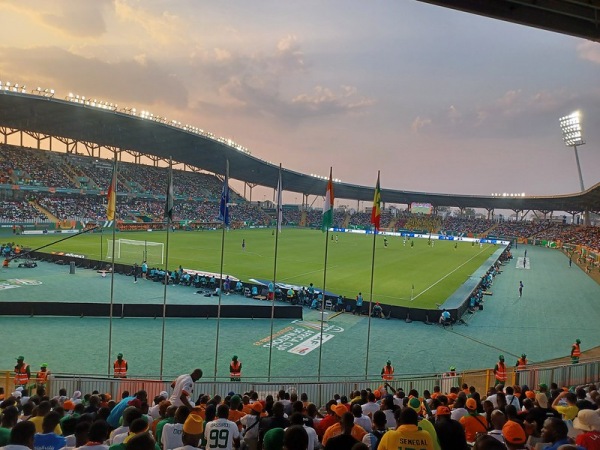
x=418 y=276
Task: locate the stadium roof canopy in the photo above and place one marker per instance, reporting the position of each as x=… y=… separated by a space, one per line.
x=579 y=18
x=84 y=123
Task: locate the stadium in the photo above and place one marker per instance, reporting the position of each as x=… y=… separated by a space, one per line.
x=269 y=285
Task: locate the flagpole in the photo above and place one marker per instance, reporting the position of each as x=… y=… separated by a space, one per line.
x=279 y=206
x=375 y=220
x=224 y=216
x=112 y=271
x=169 y=217
x=330 y=205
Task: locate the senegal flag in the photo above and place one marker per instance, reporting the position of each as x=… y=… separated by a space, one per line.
x=376 y=211
x=111 y=206
x=328 y=206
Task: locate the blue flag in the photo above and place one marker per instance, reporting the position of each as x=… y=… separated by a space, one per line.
x=224 y=205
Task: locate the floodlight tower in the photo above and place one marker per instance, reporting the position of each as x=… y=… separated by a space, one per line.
x=572 y=135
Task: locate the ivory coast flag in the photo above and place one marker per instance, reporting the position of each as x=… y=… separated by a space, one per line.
x=328 y=206
x=376 y=211
x=111 y=207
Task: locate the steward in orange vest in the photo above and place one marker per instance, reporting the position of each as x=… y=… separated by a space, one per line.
x=387 y=373
x=22 y=372
x=500 y=370
x=522 y=362
x=120 y=367
x=42 y=376
x=575 y=352
x=235 y=369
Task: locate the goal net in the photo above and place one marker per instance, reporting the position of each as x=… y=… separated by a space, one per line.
x=130 y=250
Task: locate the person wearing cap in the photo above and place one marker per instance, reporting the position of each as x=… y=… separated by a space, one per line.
x=221 y=433
x=42 y=376
x=356 y=431
x=450 y=432
x=22 y=372
x=588 y=422
x=344 y=440
x=387 y=373
x=520 y=366
x=473 y=423
x=235 y=369
x=514 y=435
x=500 y=370
x=120 y=367
x=250 y=423
x=407 y=434
x=424 y=424
x=193 y=428
x=575 y=352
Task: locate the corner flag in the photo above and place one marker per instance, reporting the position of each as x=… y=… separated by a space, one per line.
x=169 y=202
x=328 y=206
x=224 y=205
x=111 y=207
x=376 y=211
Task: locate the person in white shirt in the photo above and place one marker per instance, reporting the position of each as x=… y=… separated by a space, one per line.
x=153 y=411
x=183 y=387
x=498 y=421
x=371 y=406
x=192 y=432
x=360 y=418
x=118 y=435
x=459 y=409
x=221 y=433
x=171 y=437
x=313 y=439
x=511 y=399
x=251 y=422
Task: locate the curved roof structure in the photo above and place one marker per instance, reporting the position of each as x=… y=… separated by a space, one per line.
x=579 y=18
x=111 y=128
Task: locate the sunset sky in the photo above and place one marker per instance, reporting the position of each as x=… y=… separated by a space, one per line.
x=438 y=100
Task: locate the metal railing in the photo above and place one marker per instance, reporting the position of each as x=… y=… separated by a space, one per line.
x=320 y=392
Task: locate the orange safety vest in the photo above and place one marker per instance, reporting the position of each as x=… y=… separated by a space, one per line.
x=388 y=373
x=120 y=369
x=501 y=372
x=521 y=364
x=576 y=351
x=42 y=376
x=21 y=377
x=235 y=369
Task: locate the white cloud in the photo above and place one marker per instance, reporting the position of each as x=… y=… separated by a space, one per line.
x=589 y=51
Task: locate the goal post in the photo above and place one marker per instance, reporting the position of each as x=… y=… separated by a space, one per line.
x=131 y=250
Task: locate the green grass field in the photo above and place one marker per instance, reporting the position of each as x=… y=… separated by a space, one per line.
x=436 y=272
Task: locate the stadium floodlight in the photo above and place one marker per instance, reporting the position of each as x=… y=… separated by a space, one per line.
x=573 y=136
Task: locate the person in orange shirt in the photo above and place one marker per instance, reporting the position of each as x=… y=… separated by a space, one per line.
x=235 y=413
x=473 y=423
x=357 y=432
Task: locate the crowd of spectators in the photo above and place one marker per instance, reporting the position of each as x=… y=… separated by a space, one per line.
x=506 y=417
x=465 y=225
x=15 y=211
